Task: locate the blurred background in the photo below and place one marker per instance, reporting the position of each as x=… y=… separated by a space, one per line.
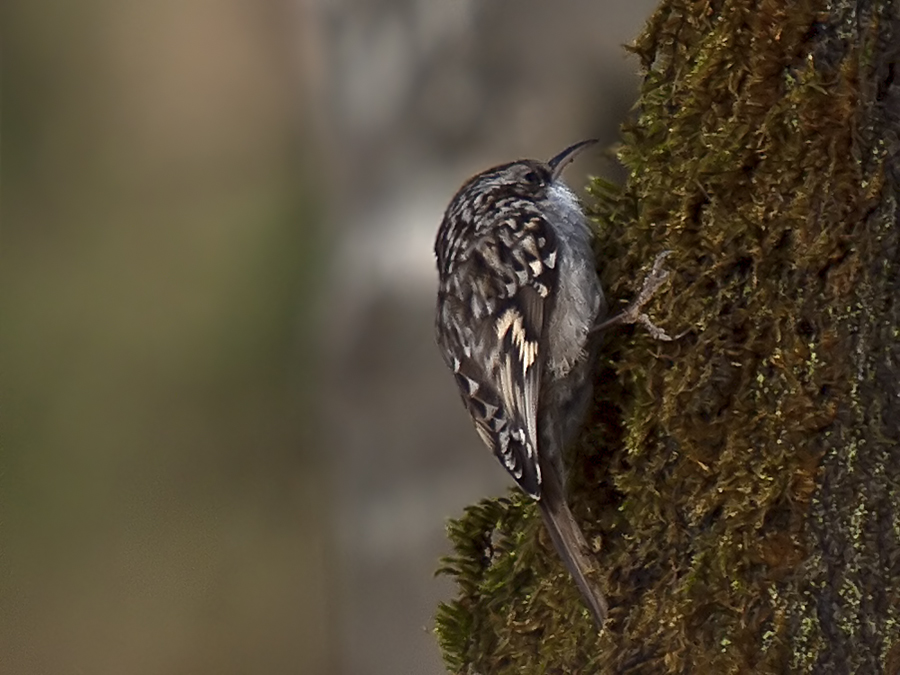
x=228 y=442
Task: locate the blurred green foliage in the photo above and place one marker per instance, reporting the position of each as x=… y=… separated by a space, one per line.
x=161 y=503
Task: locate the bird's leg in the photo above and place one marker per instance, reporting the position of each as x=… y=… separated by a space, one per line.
x=633 y=313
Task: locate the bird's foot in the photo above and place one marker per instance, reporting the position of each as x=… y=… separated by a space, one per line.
x=633 y=313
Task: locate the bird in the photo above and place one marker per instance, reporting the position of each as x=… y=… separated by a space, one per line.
x=519 y=316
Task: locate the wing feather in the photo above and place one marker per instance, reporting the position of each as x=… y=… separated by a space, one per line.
x=490 y=320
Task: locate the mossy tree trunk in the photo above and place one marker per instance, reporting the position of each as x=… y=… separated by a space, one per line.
x=742 y=484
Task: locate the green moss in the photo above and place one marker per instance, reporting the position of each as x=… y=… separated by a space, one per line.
x=742 y=480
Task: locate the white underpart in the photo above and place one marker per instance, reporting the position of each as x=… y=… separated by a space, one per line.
x=578 y=294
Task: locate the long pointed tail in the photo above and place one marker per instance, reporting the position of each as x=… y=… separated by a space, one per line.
x=573 y=549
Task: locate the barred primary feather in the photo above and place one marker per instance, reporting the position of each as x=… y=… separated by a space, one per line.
x=491 y=308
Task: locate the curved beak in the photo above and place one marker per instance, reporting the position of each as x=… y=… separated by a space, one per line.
x=561 y=161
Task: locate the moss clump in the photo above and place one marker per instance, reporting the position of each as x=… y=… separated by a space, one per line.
x=743 y=480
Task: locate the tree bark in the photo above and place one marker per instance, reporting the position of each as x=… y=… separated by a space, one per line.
x=742 y=484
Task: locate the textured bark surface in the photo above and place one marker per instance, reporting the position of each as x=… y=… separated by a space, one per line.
x=742 y=485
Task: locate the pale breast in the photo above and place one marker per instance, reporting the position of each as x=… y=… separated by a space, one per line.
x=579 y=299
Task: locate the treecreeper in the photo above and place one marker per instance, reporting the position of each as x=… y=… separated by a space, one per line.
x=519 y=312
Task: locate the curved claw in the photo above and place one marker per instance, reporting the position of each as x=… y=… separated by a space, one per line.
x=632 y=314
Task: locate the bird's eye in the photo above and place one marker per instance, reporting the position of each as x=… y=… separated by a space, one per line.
x=533 y=177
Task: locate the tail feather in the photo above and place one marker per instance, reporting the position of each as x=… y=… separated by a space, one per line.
x=572 y=548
